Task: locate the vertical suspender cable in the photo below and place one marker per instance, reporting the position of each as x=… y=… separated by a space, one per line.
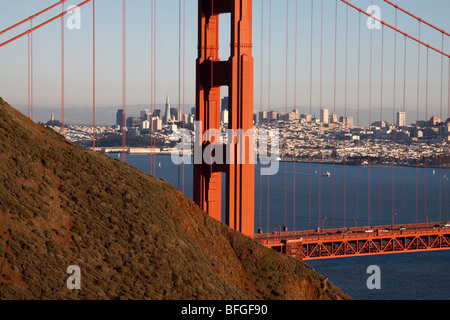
x=269 y=117
x=154 y=80
x=393 y=112
x=31 y=74
x=152 y=84
x=93 y=76
x=320 y=106
x=286 y=113
x=179 y=78
x=357 y=114
x=334 y=110
x=154 y=77
x=370 y=121
x=184 y=82
x=260 y=114
x=441 y=133
x=426 y=130
x=181 y=83
x=155 y=63
x=152 y=107
x=345 y=115
x=62 y=72
x=380 y=150
x=417 y=129
x=295 y=104
x=403 y=131
x=124 y=77
x=310 y=112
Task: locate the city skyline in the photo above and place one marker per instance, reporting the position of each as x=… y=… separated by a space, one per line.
x=78 y=57
x=106 y=115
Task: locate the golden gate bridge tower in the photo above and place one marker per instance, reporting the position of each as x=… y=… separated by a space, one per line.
x=237 y=74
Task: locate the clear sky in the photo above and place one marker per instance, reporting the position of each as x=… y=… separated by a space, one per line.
x=13 y=57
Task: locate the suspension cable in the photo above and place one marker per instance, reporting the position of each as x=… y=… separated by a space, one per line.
x=397 y=30
x=44 y=23
x=32 y=17
x=417 y=18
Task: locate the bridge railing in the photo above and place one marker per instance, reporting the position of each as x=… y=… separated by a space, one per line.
x=362 y=232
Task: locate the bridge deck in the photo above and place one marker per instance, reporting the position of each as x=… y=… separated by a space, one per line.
x=361 y=241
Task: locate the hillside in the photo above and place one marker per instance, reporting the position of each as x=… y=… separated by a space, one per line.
x=132 y=235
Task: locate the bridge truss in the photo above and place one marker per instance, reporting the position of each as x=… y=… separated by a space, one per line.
x=359 y=241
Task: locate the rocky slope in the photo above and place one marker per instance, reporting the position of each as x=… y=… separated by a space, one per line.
x=132 y=235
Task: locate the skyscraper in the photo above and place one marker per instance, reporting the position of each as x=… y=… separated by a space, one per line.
x=272 y=116
x=174 y=114
x=167 y=114
x=119 y=117
x=324 y=116
x=157 y=113
x=263 y=116
x=401 y=119
x=143 y=113
x=347 y=121
x=224 y=116
x=333 y=118
x=225 y=103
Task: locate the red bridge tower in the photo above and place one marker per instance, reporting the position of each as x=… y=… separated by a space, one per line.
x=237 y=74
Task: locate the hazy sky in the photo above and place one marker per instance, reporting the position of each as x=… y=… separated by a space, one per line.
x=78 y=57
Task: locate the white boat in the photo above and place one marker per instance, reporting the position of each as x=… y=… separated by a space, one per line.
x=326 y=174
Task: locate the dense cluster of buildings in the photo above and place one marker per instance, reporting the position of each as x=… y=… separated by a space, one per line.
x=303 y=136
x=153 y=121
x=326 y=119
x=81 y=134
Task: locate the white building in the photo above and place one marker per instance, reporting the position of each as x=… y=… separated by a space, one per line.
x=401 y=119
x=324 y=116
x=224 y=116
x=157 y=124
x=167 y=115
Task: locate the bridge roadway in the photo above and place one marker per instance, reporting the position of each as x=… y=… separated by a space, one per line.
x=359 y=241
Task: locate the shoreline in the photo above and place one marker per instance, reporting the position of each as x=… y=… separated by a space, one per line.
x=147 y=151
x=367 y=165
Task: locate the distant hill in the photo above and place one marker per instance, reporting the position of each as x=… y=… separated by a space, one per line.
x=132 y=235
